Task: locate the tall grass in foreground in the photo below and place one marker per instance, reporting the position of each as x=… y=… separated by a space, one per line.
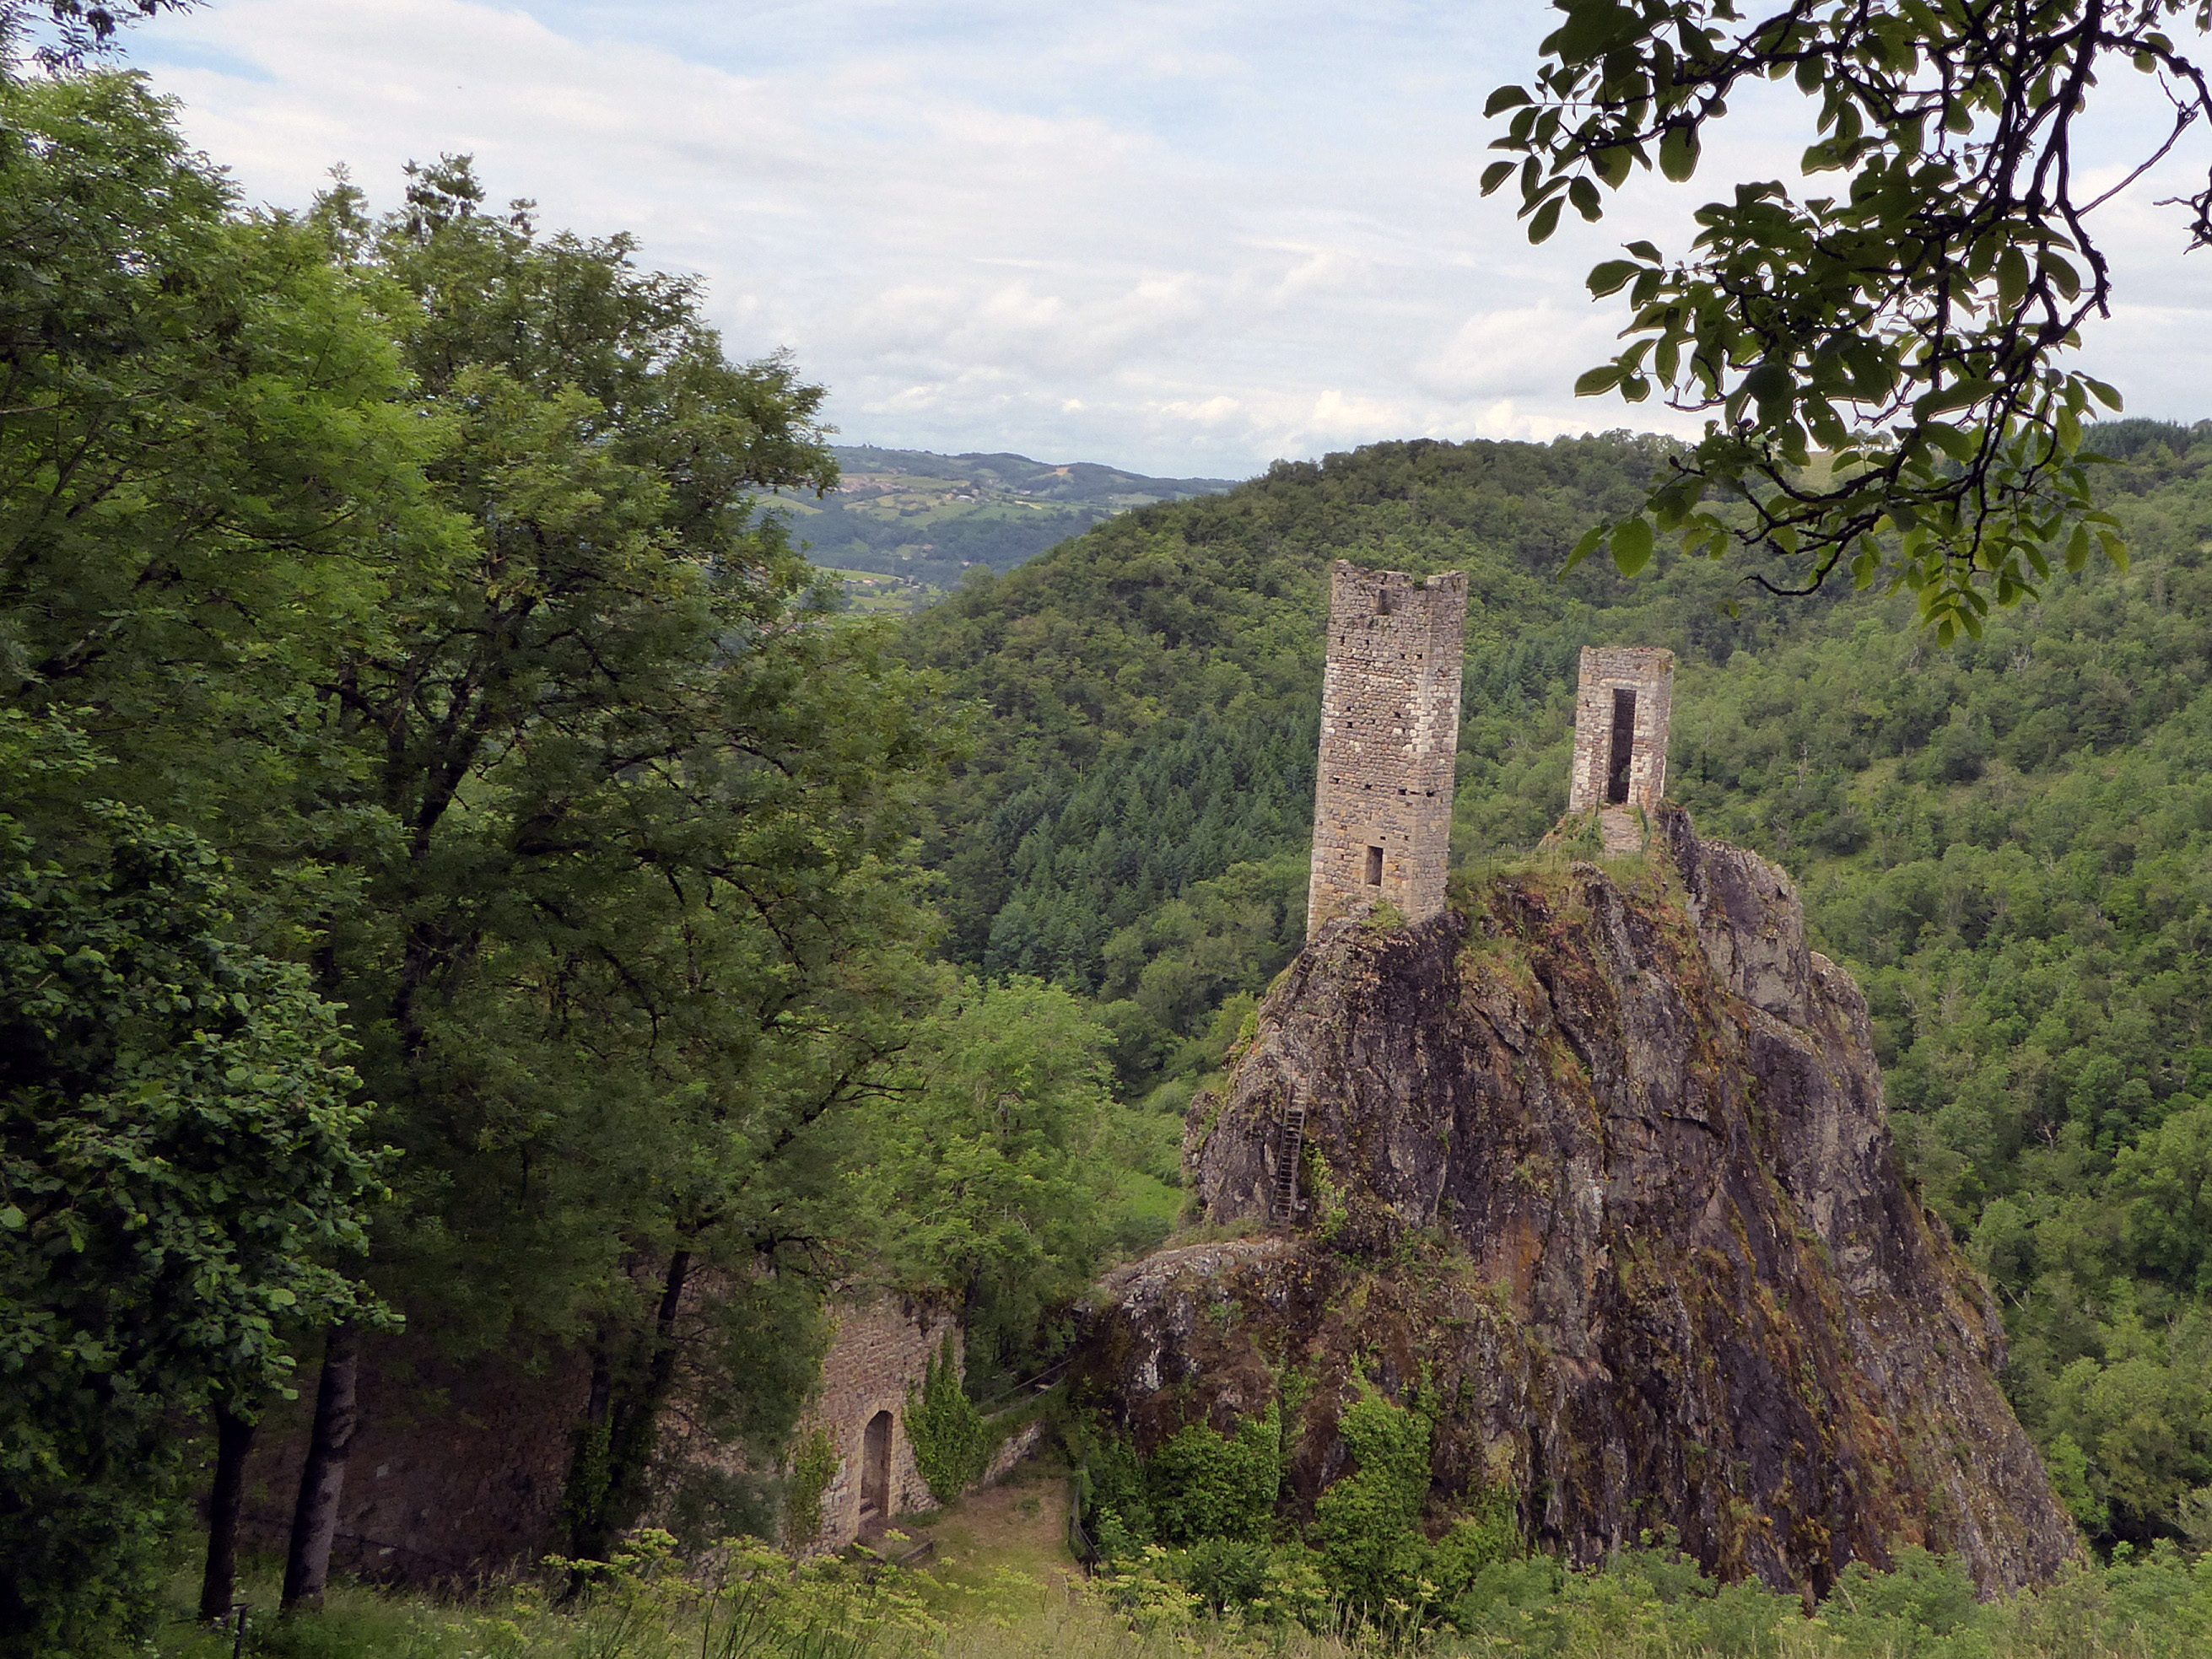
x=1647 y=1604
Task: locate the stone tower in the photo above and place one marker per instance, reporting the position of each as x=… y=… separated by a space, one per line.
x=1390 y=737
x=1620 y=728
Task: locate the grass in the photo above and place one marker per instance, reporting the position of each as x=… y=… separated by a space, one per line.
x=1019 y=1527
x=982 y=1606
x=1150 y=1202
x=1002 y=1585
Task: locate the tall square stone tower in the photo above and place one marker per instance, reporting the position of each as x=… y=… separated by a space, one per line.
x=1621 y=711
x=1389 y=738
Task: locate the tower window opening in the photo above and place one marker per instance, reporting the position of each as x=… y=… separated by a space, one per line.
x=1623 y=746
x=1374 y=866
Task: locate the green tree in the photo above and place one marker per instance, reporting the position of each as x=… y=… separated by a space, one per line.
x=208 y=487
x=951 y=1444
x=637 y=930
x=982 y=1161
x=180 y=1159
x=1882 y=363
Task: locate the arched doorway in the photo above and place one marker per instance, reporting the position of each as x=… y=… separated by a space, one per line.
x=875 y=1473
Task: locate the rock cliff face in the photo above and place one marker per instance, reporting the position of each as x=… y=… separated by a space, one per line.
x=1599 y=1165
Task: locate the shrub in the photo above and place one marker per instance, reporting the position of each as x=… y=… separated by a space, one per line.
x=1906 y=1611
x=951 y=1442
x=1367 y=1523
x=1490 y=1535
x=1207 y=1485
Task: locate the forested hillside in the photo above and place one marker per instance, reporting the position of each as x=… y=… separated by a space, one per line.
x=2010 y=844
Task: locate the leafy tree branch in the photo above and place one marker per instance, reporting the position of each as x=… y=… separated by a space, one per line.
x=1882 y=367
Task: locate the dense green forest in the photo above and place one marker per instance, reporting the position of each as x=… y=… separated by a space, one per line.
x=2009 y=843
x=466 y=881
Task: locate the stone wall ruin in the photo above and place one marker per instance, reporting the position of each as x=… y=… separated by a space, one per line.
x=1621 y=714
x=879 y=1350
x=1390 y=739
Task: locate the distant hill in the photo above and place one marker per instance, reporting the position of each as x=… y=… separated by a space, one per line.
x=915 y=522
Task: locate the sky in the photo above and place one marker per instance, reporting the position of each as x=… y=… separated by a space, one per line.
x=1186 y=239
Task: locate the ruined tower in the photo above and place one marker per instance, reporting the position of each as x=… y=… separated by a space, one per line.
x=1389 y=735
x=1620 y=728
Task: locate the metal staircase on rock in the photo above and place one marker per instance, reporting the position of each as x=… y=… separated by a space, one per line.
x=1287 y=1149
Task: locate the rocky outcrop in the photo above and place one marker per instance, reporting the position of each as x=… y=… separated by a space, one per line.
x=1598 y=1165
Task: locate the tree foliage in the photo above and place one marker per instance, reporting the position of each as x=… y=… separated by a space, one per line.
x=637 y=930
x=68 y=31
x=210 y=485
x=1884 y=364
x=180 y=1161
x=205 y=476
x=985 y=1162
x=413 y=563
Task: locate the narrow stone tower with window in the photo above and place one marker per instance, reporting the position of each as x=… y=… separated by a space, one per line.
x=1390 y=737
x=1621 y=711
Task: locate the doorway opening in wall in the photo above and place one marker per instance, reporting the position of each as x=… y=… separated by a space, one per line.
x=1624 y=744
x=1374 y=866
x=876 y=1474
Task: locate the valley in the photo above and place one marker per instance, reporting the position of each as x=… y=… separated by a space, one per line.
x=903 y=528
x=627 y=1032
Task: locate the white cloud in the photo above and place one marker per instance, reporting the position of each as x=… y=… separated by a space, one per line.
x=1524 y=352
x=1186 y=237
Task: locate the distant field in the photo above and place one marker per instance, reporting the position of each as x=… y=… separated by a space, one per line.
x=876 y=590
x=927 y=519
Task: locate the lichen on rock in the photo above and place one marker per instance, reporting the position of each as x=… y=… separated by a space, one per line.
x=1596 y=1163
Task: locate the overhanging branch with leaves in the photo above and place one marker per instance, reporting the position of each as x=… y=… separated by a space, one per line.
x=1880 y=367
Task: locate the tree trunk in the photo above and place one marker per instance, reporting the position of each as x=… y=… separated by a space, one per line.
x=613 y=1459
x=234 y=1440
x=587 y=1494
x=632 y=1426
x=322 y=1479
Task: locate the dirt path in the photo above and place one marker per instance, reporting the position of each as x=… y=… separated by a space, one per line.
x=1020 y=1524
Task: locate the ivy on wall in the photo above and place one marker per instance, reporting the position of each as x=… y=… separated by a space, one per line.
x=813 y=1466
